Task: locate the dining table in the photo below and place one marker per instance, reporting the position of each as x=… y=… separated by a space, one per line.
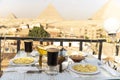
x=32 y=72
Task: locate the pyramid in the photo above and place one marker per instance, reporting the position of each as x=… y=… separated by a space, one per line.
x=110 y=9
x=50 y=13
x=11 y=16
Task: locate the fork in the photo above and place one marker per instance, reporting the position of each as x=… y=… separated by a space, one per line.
x=72 y=73
x=109 y=69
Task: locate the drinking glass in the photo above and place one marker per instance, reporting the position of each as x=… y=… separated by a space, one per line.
x=52 y=60
x=42 y=52
x=28 y=46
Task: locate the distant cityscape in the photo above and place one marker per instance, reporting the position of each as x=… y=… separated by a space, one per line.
x=54 y=24
x=58 y=27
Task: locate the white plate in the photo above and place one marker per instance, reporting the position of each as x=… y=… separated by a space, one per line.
x=70 y=67
x=83 y=53
x=12 y=63
x=71 y=52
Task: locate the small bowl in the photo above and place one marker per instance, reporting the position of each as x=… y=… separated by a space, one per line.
x=77 y=58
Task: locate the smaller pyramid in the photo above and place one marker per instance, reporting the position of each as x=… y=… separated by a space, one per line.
x=110 y=9
x=50 y=13
x=11 y=16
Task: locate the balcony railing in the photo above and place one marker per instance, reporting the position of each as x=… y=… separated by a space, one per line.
x=61 y=40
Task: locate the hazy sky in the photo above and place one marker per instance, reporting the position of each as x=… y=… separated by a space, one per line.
x=69 y=9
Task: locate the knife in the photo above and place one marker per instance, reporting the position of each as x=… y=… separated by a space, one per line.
x=30 y=71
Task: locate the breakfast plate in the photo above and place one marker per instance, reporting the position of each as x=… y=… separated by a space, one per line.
x=23 y=61
x=84 y=68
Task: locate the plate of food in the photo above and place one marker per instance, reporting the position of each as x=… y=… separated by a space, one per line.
x=83 y=68
x=23 y=61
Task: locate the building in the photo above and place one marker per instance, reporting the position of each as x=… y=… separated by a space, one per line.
x=55 y=24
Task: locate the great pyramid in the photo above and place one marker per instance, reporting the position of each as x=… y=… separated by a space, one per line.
x=50 y=13
x=110 y=9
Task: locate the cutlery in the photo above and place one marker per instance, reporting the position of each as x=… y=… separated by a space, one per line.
x=30 y=71
x=72 y=73
x=12 y=65
x=10 y=71
x=109 y=69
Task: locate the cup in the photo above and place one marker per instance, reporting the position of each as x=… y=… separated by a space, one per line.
x=52 y=57
x=65 y=65
x=28 y=46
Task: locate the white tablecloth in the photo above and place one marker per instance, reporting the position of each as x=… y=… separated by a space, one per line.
x=66 y=75
x=60 y=76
